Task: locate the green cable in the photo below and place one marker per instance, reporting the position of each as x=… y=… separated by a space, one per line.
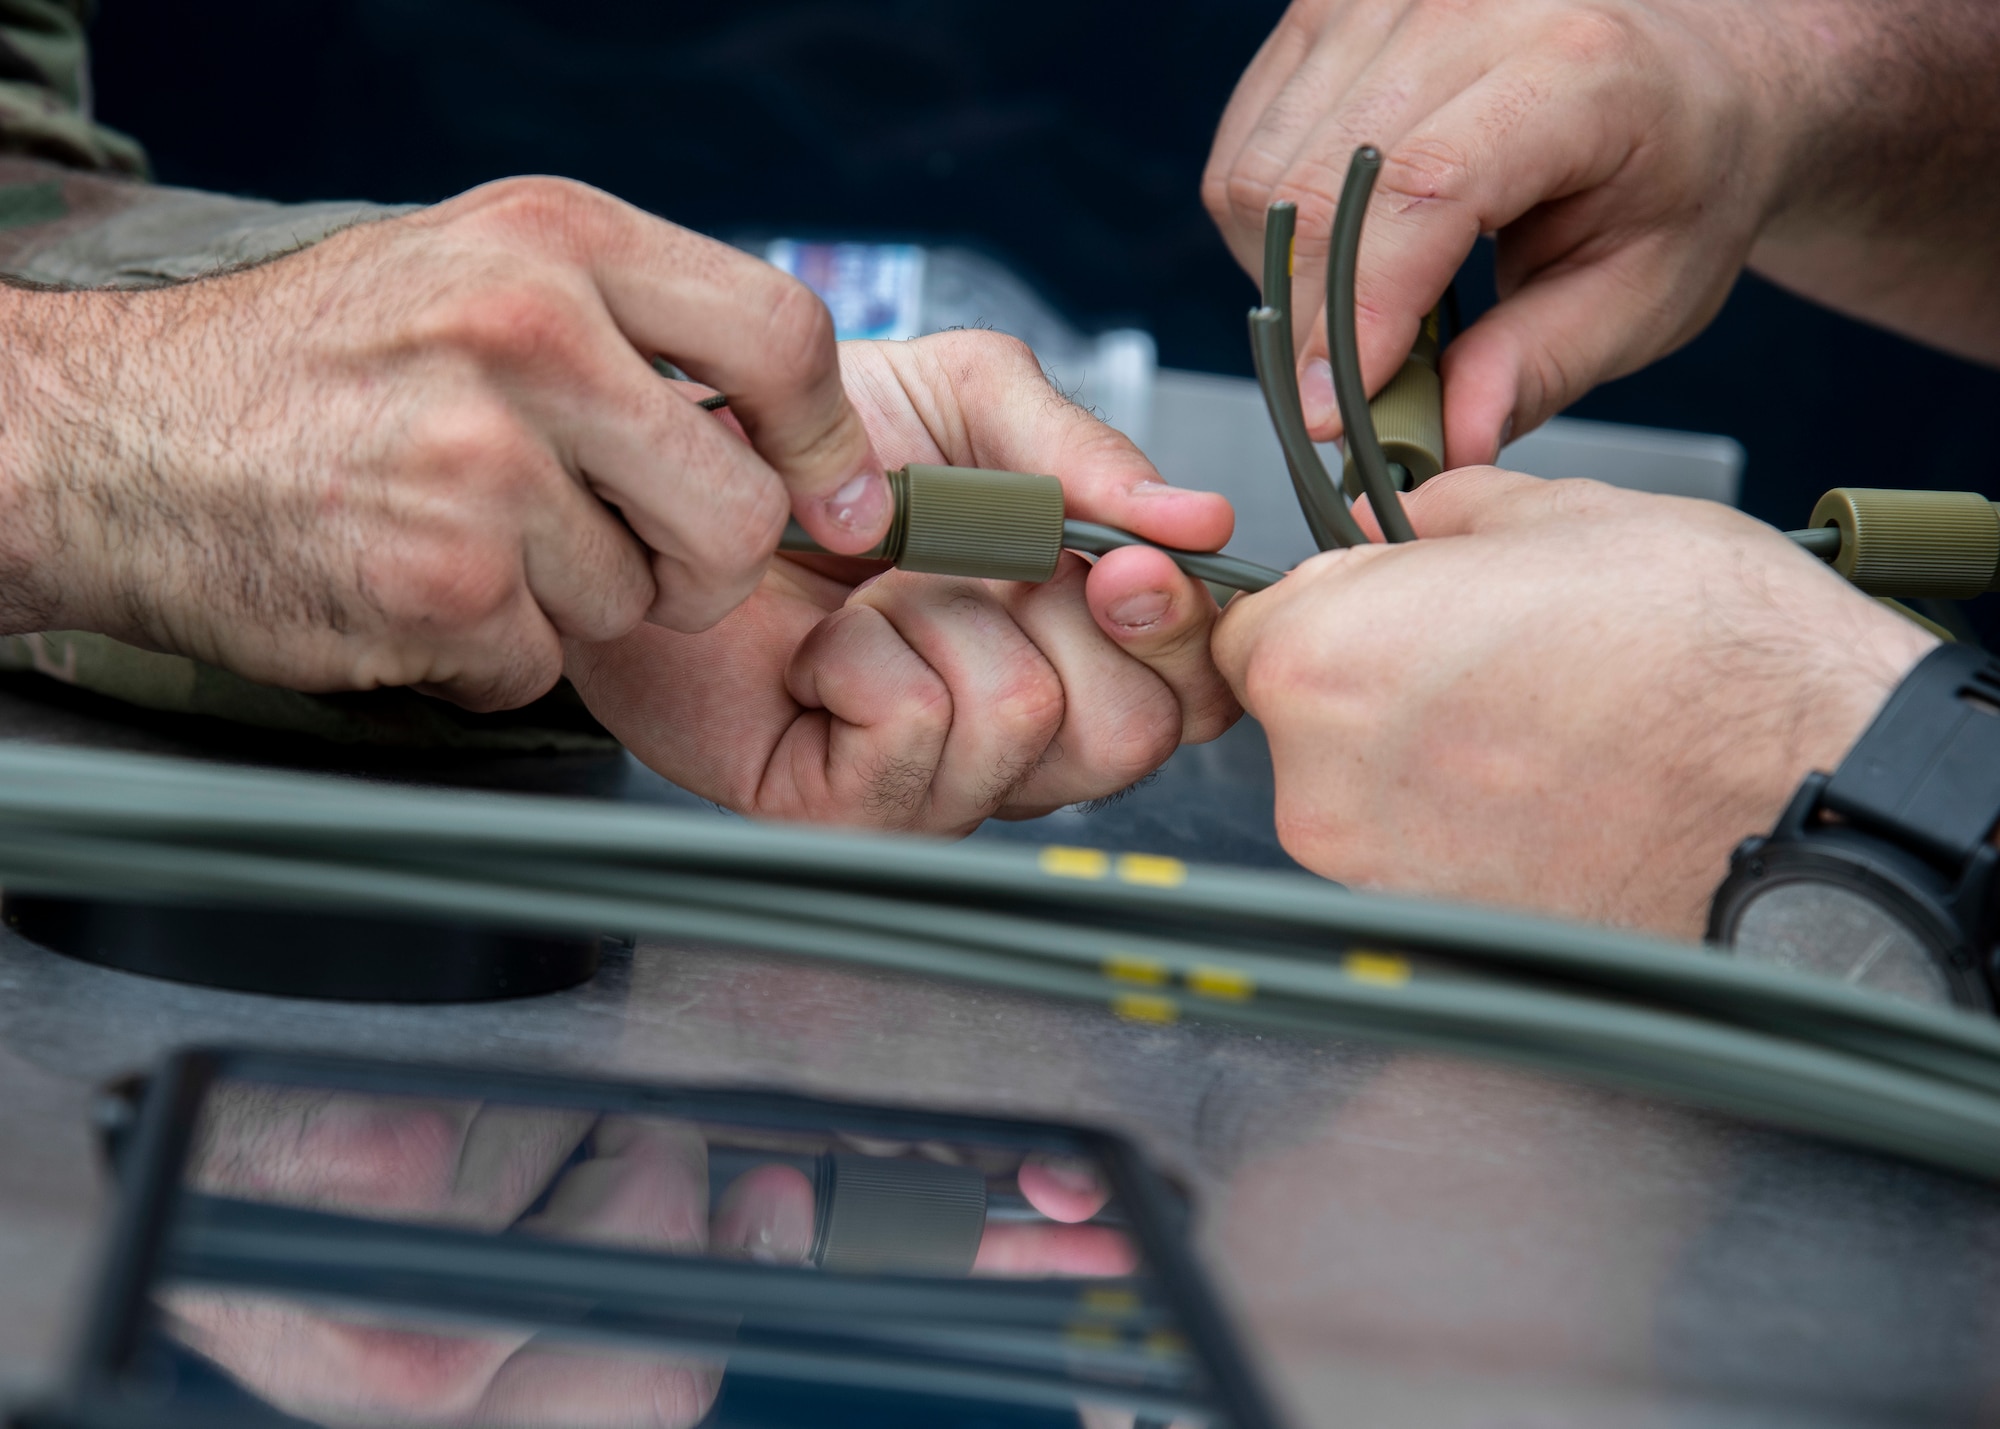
x=140 y=796
x=1275 y=356
x=1823 y=541
x=1348 y=386
x=1806 y=1088
x=1815 y=1056
x=147 y=797
x=1217 y=569
x=1088 y=536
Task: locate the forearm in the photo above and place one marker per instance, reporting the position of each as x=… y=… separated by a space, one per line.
x=1886 y=208
x=66 y=457
x=56 y=467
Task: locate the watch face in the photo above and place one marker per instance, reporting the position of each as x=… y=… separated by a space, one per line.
x=1830 y=930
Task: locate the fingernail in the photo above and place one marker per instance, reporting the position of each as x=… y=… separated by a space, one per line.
x=861 y=506
x=1140 y=609
x=765 y=1215
x=1070 y=1173
x=1316 y=392
x=1159 y=488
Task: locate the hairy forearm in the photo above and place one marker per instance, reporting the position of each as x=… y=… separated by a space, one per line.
x=85 y=437
x=1887 y=207
x=32 y=529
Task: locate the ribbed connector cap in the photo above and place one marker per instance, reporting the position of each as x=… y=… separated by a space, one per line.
x=962 y=521
x=1409 y=414
x=1914 y=543
x=888 y=1216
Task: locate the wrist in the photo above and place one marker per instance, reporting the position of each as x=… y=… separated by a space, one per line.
x=1845 y=679
x=1753 y=755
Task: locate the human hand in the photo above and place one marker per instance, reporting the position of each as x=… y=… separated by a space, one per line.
x=1625 y=152
x=402 y=456
x=476 y=1167
x=642 y=1183
x=1566 y=697
x=843 y=693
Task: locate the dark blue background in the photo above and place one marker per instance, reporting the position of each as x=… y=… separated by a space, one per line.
x=1067 y=139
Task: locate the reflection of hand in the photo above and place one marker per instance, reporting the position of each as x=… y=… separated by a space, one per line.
x=480 y=1167
x=387 y=460
x=1567 y=697
x=930 y=702
x=1067 y=1191
x=1628 y=154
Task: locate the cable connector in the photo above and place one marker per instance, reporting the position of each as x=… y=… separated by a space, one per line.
x=1006 y=526
x=1943 y=544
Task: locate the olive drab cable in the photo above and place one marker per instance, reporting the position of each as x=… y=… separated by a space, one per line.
x=1150 y=937
x=1271 y=348
x=1348 y=387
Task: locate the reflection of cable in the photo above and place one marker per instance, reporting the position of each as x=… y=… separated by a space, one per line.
x=1348 y=387
x=974 y=1338
x=1155 y=938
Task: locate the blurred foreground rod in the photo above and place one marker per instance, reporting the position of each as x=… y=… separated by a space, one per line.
x=1151 y=937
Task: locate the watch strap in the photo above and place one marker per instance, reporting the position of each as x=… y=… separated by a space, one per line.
x=1926 y=773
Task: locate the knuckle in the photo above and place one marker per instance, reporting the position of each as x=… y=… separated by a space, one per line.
x=732 y=541
x=412 y=1372
x=1027 y=701
x=927 y=706
x=1426 y=168
x=1250 y=188
x=524 y=676
x=1004 y=348
x=1576 y=496
x=1592 y=38
x=473 y=441
x=456 y=586
x=514 y=315
x=798 y=334
x=539 y=208
x=1144 y=739
x=377 y=1157
x=1313 y=185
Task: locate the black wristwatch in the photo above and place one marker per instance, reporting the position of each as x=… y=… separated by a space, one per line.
x=1881 y=874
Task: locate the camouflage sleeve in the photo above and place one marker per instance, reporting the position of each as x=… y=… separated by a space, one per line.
x=45 y=90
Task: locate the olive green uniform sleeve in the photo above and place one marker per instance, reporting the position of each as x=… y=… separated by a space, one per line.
x=45 y=90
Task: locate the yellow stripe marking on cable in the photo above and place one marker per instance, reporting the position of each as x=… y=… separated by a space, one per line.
x=1381 y=969
x=1225 y=983
x=1165 y=1342
x=1152 y=869
x=1141 y=1007
x=1066 y=862
x=1097 y=1337
x=1109 y=1302
x=1144 y=971
x=1292 y=259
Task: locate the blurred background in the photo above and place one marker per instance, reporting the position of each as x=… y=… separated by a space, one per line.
x=1064 y=140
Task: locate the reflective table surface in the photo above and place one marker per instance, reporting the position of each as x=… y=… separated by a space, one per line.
x=1405 y=1238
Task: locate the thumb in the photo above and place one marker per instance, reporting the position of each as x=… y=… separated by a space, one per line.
x=766 y=1215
